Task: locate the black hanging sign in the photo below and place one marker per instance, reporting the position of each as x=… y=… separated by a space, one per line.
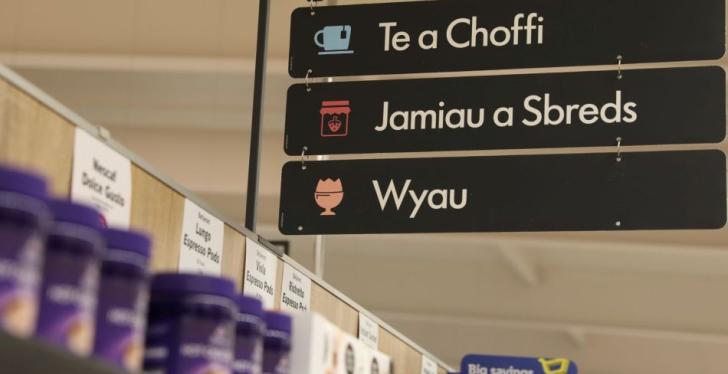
x=656 y=106
x=574 y=192
x=462 y=35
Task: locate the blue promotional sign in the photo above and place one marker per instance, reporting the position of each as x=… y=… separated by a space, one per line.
x=480 y=364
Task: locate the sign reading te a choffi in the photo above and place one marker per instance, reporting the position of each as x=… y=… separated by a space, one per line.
x=657 y=106
x=482 y=364
x=463 y=35
x=650 y=190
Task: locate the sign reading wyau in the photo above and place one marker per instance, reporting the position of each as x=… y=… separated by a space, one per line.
x=482 y=364
x=657 y=106
x=572 y=192
x=462 y=35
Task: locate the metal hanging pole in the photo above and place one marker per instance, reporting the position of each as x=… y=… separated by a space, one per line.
x=319 y=244
x=254 y=160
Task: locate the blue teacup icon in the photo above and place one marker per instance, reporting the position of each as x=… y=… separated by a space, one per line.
x=334 y=40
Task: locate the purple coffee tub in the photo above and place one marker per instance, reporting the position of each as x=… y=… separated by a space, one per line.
x=277 y=346
x=24 y=220
x=123 y=298
x=74 y=250
x=191 y=325
x=249 y=335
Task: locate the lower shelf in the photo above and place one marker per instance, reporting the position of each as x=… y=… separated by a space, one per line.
x=33 y=357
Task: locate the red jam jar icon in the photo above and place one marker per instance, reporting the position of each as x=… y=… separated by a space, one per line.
x=335 y=118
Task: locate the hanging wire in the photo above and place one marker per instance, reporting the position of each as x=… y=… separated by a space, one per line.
x=619 y=67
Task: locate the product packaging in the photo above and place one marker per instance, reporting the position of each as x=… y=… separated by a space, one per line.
x=24 y=220
x=69 y=288
x=320 y=347
x=377 y=363
x=191 y=325
x=123 y=298
x=277 y=344
x=250 y=332
x=314 y=343
x=350 y=355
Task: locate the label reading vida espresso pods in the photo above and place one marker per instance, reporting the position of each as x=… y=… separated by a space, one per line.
x=261 y=269
x=464 y=35
x=572 y=192
x=656 y=106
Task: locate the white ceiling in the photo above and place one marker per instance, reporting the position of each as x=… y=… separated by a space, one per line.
x=172 y=80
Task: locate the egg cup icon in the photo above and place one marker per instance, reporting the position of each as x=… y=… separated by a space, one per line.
x=329 y=194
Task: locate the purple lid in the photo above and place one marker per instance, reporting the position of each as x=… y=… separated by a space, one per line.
x=66 y=211
x=23 y=182
x=250 y=305
x=131 y=241
x=193 y=284
x=278 y=321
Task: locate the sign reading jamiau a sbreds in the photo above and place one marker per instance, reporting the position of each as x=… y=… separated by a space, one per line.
x=466 y=35
x=569 y=192
x=645 y=107
x=482 y=364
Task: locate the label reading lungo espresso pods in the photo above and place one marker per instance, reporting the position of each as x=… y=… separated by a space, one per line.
x=464 y=35
x=655 y=106
x=570 y=192
x=201 y=242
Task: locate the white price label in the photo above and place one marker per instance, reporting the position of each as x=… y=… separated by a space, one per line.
x=201 y=244
x=101 y=178
x=368 y=332
x=261 y=267
x=428 y=366
x=295 y=291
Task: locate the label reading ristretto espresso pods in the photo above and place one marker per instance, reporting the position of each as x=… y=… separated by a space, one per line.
x=295 y=291
x=463 y=35
x=569 y=192
x=656 y=106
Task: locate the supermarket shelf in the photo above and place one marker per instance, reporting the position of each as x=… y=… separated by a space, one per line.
x=32 y=357
x=102 y=134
